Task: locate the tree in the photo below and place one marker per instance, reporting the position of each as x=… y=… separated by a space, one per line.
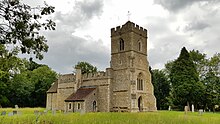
x=161 y=88
x=42 y=78
x=86 y=67
x=185 y=80
x=20 y=25
x=200 y=61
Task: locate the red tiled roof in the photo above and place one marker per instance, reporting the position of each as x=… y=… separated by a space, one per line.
x=53 y=88
x=80 y=94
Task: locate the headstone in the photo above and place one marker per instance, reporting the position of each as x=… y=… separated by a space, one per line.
x=193 y=108
x=169 y=108
x=185 y=109
x=200 y=111
x=16 y=106
x=10 y=114
x=3 y=113
x=15 y=112
x=82 y=112
x=36 y=112
x=53 y=112
x=45 y=111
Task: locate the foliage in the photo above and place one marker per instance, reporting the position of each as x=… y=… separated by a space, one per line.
x=20 y=25
x=161 y=89
x=26 y=86
x=86 y=67
x=42 y=78
x=185 y=80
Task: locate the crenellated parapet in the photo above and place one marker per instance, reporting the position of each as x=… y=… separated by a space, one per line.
x=97 y=75
x=66 y=78
x=128 y=27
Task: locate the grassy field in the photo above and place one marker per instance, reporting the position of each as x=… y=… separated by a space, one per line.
x=27 y=116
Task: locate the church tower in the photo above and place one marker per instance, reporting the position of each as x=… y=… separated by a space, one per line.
x=131 y=88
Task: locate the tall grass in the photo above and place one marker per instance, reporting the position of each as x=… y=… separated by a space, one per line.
x=159 y=117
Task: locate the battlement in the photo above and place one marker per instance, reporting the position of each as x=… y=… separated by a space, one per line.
x=128 y=27
x=97 y=75
x=66 y=78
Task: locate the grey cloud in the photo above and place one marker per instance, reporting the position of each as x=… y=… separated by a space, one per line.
x=66 y=50
x=90 y=8
x=82 y=12
x=176 y=5
x=196 y=26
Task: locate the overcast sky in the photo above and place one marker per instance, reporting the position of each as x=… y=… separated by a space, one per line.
x=83 y=29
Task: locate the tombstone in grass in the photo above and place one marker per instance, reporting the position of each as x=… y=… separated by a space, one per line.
x=15 y=112
x=186 y=109
x=3 y=113
x=200 y=111
x=10 y=114
x=193 y=108
x=16 y=107
x=82 y=112
x=169 y=108
x=45 y=112
x=53 y=112
x=36 y=112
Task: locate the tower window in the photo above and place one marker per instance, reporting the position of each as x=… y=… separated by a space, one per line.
x=121 y=45
x=139 y=46
x=140 y=82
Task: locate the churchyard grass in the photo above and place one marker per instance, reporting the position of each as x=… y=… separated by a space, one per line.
x=27 y=116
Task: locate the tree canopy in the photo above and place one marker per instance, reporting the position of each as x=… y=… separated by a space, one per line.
x=86 y=67
x=20 y=25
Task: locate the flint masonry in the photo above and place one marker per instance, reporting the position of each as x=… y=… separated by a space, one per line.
x=125 y=86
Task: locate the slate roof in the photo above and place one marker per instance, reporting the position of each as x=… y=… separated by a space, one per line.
x=53 y=88
x=80 y=94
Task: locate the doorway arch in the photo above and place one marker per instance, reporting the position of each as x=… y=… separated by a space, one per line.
x=140 y=104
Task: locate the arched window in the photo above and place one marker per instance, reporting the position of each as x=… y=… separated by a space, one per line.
x=79 y=107
x=140 y=82
x=70 y=106
x=139 y=46
x=94 y=106
x=121 y=44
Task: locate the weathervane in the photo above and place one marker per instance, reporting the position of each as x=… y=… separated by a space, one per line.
x=129 y=14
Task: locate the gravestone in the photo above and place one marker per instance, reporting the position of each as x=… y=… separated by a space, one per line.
x=192 y=108
x=82 y=112
x=36 y=112
x=185 y=109
x=3 y=113
x=200 y=111
x=10 y=114
x=16 y=107
x=15 y=112
x=169 y=108
x=53 y=112
x=45 y=112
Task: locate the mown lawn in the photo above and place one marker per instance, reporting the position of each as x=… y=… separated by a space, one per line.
x=27 y=116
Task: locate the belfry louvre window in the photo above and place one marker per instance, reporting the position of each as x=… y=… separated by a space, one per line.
x=121 y=44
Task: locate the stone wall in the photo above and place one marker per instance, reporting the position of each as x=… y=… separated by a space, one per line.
x=103 y=91
x=66 y=86
x=89 y=101
x=51 y=101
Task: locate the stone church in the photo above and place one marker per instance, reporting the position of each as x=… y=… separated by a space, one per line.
x=125 y=86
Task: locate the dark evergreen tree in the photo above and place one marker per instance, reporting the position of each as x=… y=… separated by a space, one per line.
x=161 y=88
x=186 y=88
